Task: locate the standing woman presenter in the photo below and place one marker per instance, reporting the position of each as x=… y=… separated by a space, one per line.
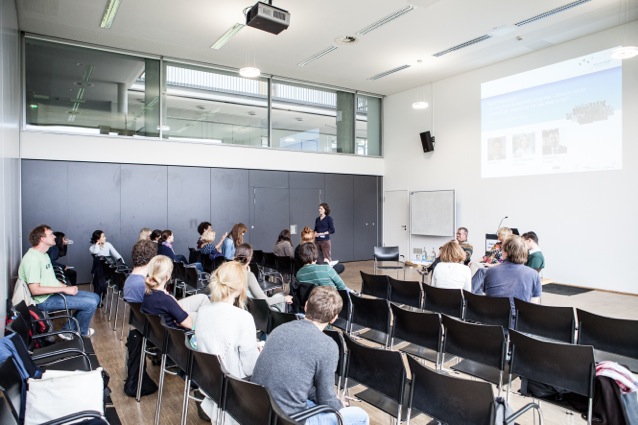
x=324 y=227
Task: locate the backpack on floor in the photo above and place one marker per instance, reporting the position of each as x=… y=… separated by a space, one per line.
x=134 y=346
x=41 y=323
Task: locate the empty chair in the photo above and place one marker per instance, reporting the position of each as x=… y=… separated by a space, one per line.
x=444 y=301
x=278 y=318
x=286 y=266
x=375 y=285
x=371 y=313
x=195 y=282
x=422 y=330
x=482 y=347
x=343 y=321
x=261 y=312
x=208 y=263
x=406 y=292
x=158 y=336
x=300 y=292
x=388 y=254
x=567 y=366
x=206 y=371
x=120 y=278
x=487 y=310
x=340 y=373
x=139 y=321
x=384 y=374
x=454 y=400
x=178 y=276
x=610 y=337
x=554 y=323
x=258 y=257
x=181 y=356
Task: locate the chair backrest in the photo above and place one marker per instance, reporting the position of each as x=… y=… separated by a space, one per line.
x=337 y=337
x=206 y=371
x=619 y=336
x=373 y=313
x=270 y=260
x=300 y=293
x=137 y=319
x=375 y=285
x=557 y=323
x=420 y=328
x=120 y=278
x=347 y=305
x=278 y=318
x=218 y=261
x=192 y=278
x=260 y=310
x=487 y=310
x=179 y=272
x=175 y=348
x=485 y=344
x=408 y=292
x=12 y=387
x=247 y=402
x=194 y=256
x=156 y=332
x=444 y=301
x=376 y=368
x=386 y=253
x=450 y=399
x=285 y=265
x=207 y=263
x=567 y=366
x=20 y=327
x=258 y=257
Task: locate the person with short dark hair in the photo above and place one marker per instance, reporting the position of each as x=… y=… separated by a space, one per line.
x=461 y=237
x=317 y=274
x=511 y=278
x=155 y=236
x=298 y=363
x=201 y=228
x=535 y=257
x=59 y=250
x=102 y=248
x=37 y=272
x=134 y=287
x=324 y=227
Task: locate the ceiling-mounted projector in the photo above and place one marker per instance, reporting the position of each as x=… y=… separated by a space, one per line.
x=267 y=17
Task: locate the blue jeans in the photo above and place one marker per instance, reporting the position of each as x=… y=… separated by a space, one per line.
x=351 y=416
x=84 y=303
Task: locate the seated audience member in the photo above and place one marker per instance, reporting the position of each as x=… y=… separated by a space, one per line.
x=134 y=287
x=307 y=235
x=298 y=363
x=36 y=271
x=243 y=255
x=145 y=233
x=511 y=278
x=201 y=228
x=209 y=247
x=494 y=256
x=102 y=248
x=158 y=301
x=317 y=274
x=224 y=328
x=461 y=237
x=283 y=247
x=451 y=273
x=165 y=247
x=59 y=250
x=233 y=240
x=155 y=235
x=535 y=257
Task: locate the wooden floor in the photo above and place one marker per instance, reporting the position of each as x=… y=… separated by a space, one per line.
x=111 y=352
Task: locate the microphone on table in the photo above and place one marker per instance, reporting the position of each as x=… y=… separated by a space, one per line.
x=499 y=224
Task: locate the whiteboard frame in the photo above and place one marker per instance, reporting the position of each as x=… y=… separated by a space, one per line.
x=450 y=225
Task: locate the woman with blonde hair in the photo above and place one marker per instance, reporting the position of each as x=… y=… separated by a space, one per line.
x=451 y=273
x=495 y=255
x=158 y=301
x=145 y=234
x=208 y=244
x=224 y=328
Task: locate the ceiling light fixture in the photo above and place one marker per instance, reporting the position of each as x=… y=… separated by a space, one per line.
x=624 y=17
x=109 y=14
x=227 y=36
x=421 y=104
x=249 y=72
x=624 y=52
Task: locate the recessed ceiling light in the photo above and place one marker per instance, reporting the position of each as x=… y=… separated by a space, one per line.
x=624 y=52
x=420 y=105
x=249 y=72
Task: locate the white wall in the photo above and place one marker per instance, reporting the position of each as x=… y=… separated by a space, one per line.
x=586 y=222
x=9 y=150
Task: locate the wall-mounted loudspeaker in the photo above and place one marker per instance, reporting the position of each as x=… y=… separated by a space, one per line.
x=427 y=141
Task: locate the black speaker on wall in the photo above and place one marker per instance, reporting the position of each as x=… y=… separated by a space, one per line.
x=427 y=141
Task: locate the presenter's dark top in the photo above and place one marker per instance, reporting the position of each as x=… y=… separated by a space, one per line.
x=324 y=225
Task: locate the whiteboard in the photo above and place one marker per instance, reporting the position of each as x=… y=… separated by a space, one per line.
x=432 y=213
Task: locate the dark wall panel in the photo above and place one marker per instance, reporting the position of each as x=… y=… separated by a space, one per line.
x=94 y=203
x=304 y=208
x=339 y=196
x=270 y=216
x=230 y=200
x=306 y=180
x=365 y=216
x=259 y=178
x=188 y=204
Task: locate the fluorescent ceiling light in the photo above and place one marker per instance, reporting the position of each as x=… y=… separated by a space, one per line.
x=227 y=36
x=249 y=72
x=624 y=52
x=420 y=105
x=109 y=13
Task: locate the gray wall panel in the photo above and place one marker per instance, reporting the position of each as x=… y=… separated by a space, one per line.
x=259 y=178
x=144 y=202
x=304 y=208
x=339 y=196
x=365 y=216
x=188 y=204
x=270 y=216
x=306 y=180
x=230 y=200
x=94 y=203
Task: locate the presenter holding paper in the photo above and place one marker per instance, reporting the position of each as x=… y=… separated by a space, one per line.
x=324 y=227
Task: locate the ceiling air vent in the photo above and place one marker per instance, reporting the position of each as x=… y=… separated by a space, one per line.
x=316 y=56
x=463 y=45
x=551 y=12
x=381 y=22
x=388 y=72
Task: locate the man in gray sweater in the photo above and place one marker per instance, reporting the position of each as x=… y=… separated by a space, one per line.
x=298 y=363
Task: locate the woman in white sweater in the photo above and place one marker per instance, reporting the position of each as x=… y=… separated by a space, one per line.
x=451 y=273
x=102 y=248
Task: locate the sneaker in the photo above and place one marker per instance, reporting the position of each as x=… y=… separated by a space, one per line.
x=66 y=336
x=89 y=333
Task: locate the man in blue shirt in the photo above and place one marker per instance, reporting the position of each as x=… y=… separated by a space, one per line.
x=143 y=252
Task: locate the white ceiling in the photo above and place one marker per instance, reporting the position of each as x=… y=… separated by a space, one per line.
x=186 y=30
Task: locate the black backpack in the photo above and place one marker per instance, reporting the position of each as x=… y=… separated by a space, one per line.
x=134 y=345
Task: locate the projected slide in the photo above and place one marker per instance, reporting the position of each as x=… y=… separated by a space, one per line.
x=560 y=118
